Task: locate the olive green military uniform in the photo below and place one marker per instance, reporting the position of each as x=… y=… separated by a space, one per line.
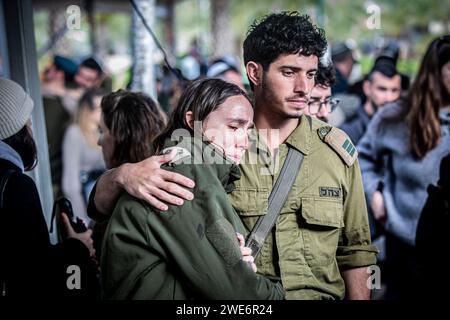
x=188 y=252
x=323 y=227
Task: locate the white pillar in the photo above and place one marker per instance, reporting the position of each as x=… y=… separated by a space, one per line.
x=143 y=49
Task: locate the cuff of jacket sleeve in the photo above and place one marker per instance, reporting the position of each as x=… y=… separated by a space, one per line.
x=356 y=256
x=92 y=211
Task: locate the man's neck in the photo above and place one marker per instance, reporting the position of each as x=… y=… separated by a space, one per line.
x=369 y=108
x=272 y=122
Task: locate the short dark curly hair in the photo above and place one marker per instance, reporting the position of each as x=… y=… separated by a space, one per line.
x=283 y=33
x=326 y=76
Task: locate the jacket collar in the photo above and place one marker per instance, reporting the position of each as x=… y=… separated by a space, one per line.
x=11 y=155
x=205 y=153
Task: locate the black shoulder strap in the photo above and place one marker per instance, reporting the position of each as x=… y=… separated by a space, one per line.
x=277 y=198
x=3 y=181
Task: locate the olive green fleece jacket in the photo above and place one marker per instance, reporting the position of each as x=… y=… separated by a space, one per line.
x=188 y=252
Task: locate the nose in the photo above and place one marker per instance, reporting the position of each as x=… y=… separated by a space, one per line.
x=391 y=96
x=323 y=112
x=301 y=84
x=242 y=139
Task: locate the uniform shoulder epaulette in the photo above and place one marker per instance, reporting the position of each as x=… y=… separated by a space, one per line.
x=182 y=154
x=339 y=141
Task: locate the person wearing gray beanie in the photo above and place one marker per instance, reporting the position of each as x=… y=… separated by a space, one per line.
x=15 y=108
x=22 y=219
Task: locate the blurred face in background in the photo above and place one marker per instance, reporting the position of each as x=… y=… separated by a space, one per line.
x=445 y=76
x=381 y=89
x=320 y=95
x=87 y=78
x=233 y=77
x=53 y=74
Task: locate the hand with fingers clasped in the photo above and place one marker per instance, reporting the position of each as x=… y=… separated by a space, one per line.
x=246 y=252
x=147 y=181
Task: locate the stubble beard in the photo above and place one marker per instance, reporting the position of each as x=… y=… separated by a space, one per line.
x=276 y=104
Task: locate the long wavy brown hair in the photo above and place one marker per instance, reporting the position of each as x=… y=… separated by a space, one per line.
x=426 y=96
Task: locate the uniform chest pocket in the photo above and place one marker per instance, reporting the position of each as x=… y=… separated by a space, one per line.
x=250 y=204
x=249 y=201
x=320 y=222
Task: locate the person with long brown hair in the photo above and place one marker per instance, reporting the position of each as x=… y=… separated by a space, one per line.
x=82 y=158
x=400 y=155
x=129 y=123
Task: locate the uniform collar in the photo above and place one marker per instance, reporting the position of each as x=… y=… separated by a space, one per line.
x=298 y=139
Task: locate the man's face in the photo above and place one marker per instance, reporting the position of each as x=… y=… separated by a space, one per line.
x=227 y=127
x=320 y=94
x=53 y=74
x=382 y=90
x=87 y=78
x=287 y=84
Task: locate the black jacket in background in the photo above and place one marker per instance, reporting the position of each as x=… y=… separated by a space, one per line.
x=433 y=238
x=30 y=266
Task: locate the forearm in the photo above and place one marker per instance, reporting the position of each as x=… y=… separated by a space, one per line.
x=108 y=190
x=356 y=284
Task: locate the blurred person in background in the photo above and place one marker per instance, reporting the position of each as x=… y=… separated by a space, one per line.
x=432 y=239
x=90 y=74
x=129 y=123
x=388 y=54
x=31 y=267
x=400 y=155
x=82 y=158
x=58 y=115
x=382 y=86
x=321 y=103
x=343 y=61
x=226 y=68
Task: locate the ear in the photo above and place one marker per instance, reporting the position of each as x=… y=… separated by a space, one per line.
x=189 y=118
x=254 y=72
x=366 y=87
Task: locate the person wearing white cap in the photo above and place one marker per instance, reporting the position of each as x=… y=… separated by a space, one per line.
x=343 y=61
x=227 y=70
x=31 y=266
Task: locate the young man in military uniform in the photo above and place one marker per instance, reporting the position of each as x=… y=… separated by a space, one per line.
x=320 y=246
